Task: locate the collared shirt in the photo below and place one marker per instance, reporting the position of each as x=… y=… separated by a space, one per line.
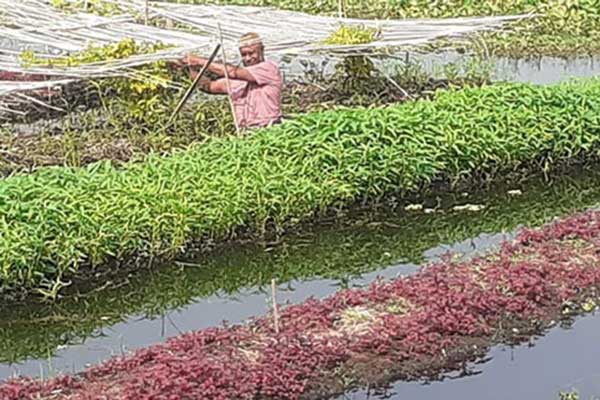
x=258 y=104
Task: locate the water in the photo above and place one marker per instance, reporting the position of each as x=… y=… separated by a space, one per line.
x=564 y=360
x=541 y=70
x=139 y=331
x=232 y=284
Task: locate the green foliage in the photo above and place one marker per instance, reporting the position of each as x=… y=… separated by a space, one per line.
x=108 y=129
x=56 y=220
x=112 y=51
x=352 y=34
x=145 y=96
x=99 y=7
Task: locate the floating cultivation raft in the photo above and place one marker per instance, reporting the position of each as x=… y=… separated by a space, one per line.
x=54 y=221
x=420 y=326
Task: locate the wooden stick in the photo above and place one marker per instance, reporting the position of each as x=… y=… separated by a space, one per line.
x=191 y=89
x=275 y=308
x=146 y=12
x=227 y=82
x=341 y=9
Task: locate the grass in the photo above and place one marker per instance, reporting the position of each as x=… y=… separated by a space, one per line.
x=57 y=220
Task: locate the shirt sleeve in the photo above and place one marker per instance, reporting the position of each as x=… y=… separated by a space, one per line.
x=265 y=73
x=237 y=87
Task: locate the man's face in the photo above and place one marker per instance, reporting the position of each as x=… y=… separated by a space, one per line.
x=252 y=55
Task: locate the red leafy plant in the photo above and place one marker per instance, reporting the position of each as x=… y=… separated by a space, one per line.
x=434 y=321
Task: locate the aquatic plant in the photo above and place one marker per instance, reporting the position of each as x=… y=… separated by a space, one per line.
x=420 y=326
x=56 y=220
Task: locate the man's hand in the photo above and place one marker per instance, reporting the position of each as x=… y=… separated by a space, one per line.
x=194 y=73
x=192 y=60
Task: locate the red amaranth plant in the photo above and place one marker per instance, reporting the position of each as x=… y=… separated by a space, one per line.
x=405 y=328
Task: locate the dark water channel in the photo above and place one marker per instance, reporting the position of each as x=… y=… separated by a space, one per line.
x=232 y=284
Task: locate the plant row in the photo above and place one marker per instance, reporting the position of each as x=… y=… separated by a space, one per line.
x=423 y=325
x=56 y=220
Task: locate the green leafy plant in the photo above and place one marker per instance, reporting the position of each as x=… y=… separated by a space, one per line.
x=352 y=34
x=55 y=221
x=99 y=7
x=559 y=27
x=146 y=96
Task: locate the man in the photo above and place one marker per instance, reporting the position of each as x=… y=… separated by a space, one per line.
x=255 y=88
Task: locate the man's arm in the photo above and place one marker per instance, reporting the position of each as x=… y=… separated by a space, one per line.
x=219 y=69
x=212 y=87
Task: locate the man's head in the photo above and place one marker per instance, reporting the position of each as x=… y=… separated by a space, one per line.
x=251 y=49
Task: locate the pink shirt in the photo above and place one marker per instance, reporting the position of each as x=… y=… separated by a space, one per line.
x=258 y=104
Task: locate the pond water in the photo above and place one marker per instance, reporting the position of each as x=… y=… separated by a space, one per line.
x=540 y=70
x=564 y=360
x=232 y=284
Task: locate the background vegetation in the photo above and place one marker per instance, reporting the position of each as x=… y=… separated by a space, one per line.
x=117 y=121
x=562 y=27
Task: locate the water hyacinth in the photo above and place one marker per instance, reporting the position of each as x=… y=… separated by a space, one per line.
x=57 y=220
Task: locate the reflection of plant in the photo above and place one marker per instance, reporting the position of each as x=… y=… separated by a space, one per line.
x=568 y=395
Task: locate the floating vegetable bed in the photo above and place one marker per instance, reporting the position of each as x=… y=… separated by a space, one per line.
x=56 y=220
x=419 y=326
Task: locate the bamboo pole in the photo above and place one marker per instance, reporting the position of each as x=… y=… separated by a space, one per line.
x=227 y=82
x=275 y=307
x=146 y=12
x=194 y=84
x=342 y=8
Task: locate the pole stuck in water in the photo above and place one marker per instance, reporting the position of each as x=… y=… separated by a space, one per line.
x=275 y=307
x=194 y=84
